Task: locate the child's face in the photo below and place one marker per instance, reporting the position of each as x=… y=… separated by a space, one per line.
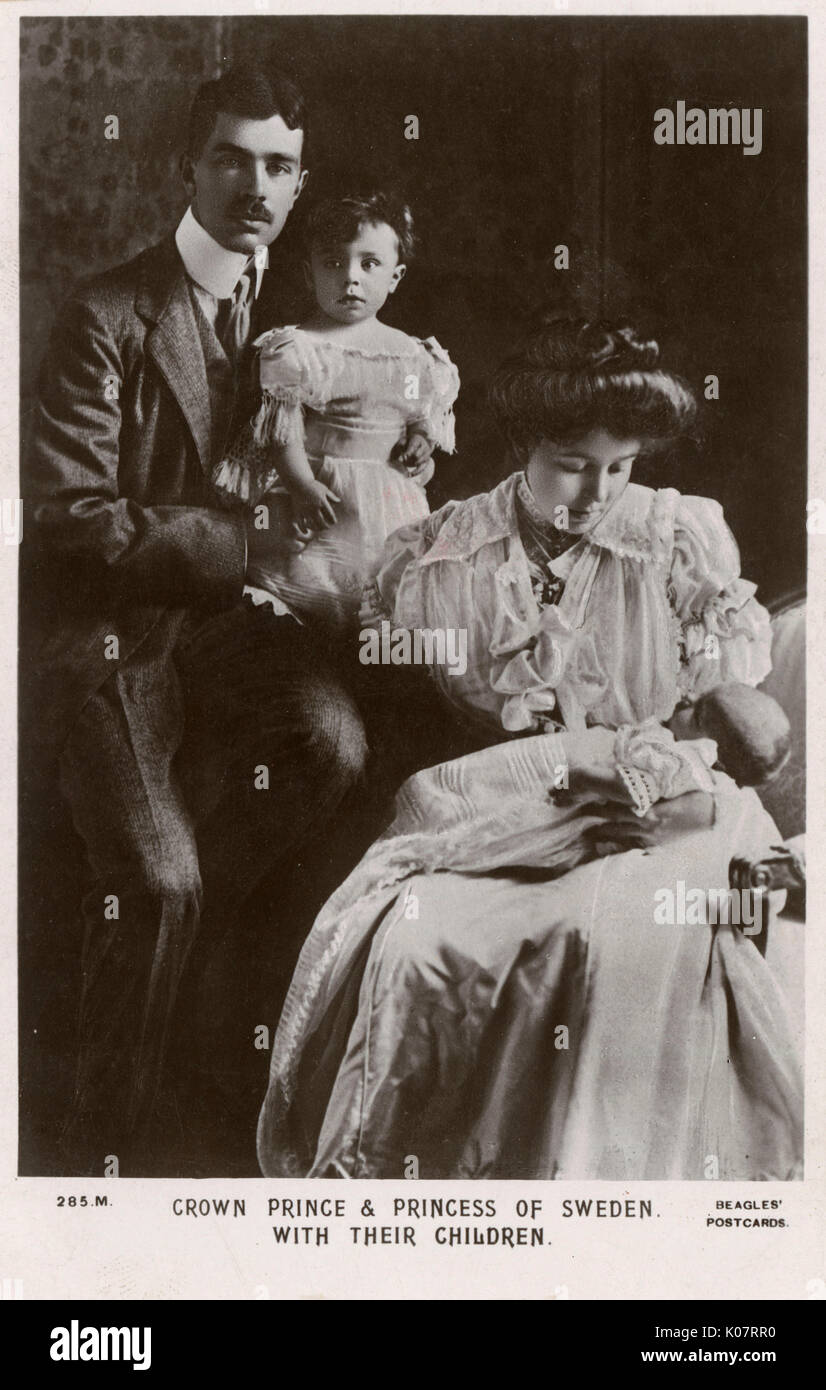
x=584 y=477
x=351 y=282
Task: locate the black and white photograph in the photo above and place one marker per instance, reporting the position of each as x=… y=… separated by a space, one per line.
x=412 y=574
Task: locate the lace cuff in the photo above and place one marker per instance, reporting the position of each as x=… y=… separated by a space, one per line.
x=640 y=786
x=671 y=767
x=247 y=472
x=280 y=419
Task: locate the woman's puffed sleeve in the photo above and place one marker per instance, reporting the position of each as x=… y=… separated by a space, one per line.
x=724 y=633
x=440 y=389
x=403 y=549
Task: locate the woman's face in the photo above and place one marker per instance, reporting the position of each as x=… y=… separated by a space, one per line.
x=575 y=483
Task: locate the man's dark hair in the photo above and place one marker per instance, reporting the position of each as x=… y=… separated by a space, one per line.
x=251 y=91
x=336 y=220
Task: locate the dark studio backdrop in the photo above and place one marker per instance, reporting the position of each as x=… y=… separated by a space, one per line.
x=532 y=133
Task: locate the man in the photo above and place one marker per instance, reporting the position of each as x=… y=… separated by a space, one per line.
x=200 y=738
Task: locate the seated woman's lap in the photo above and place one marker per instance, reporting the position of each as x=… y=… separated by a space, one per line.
x=517 y=1028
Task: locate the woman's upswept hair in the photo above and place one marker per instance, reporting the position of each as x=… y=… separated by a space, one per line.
x=335 y=220
x=573 y=375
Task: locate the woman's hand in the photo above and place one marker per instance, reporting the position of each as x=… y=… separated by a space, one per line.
x=622 y=830
x=593 y=784
x=313 y=508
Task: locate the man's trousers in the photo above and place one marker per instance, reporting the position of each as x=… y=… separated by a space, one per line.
x=200 y=765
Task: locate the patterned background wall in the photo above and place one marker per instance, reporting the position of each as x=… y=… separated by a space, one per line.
x=532 y=133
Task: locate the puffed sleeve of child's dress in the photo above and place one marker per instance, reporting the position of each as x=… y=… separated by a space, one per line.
x=292 y=375
x=438 y=389
x=724 y=633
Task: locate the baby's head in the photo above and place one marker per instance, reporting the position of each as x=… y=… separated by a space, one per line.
x=359 y=248
x=750 y=729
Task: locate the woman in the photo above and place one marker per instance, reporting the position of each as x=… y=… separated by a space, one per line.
x=459 y=1000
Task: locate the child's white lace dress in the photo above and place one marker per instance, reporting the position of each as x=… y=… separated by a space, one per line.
x=351 y=407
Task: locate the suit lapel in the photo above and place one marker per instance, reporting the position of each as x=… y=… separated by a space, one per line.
x=174 y=343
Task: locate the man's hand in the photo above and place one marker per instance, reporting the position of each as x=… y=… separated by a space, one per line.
x=414 y=456
x=269 y=545
x=622 y=830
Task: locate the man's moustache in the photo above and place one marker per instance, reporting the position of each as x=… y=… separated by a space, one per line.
x=253 y=212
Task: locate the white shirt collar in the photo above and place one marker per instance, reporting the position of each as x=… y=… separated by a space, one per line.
x=209 y=264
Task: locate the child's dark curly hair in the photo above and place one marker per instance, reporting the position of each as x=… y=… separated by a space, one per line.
x=333 y=221
x=573 y=375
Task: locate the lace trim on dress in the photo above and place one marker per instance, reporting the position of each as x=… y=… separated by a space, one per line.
x=378 y=354
x=543 y=543
x=276 y=338
x=280 y=418
x=553 y=537
x=639 y=525
x=669 y=767
x=247 y=471
x=298 y=375
x=643 y=794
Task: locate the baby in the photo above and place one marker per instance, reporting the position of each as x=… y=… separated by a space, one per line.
x=351 y=411
x=735 y=727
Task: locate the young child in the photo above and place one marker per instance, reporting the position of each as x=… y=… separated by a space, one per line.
x=351 y=411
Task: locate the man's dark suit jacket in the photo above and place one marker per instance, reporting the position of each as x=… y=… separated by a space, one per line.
x=121 y=530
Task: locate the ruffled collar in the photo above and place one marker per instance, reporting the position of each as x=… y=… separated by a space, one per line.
x=293 y=333
x=638 y=526
x=536 y=527
x=544 y=665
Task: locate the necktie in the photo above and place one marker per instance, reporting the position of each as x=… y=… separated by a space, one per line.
x=236 y=329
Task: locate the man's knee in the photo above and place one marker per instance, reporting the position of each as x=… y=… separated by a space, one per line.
x=333 y=733
x=170 y=878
